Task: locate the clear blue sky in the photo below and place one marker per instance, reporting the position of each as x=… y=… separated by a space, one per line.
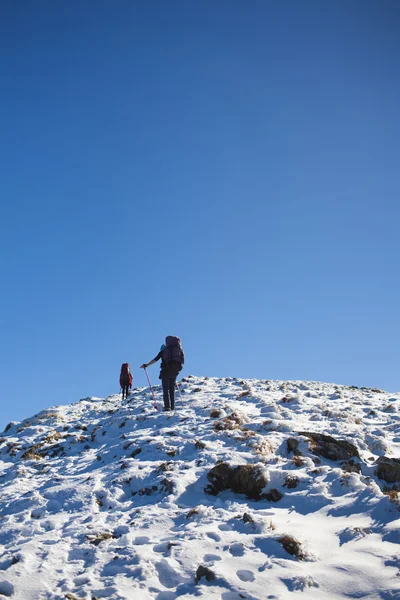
x=223 y=171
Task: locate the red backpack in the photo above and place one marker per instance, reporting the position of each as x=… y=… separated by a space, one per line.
x=125 y=375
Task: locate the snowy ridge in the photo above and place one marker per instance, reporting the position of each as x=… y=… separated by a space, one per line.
x=105 y=499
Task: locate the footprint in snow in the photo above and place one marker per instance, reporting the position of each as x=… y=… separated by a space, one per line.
x=245 y=575
x=236 y=549
x=141 y=540
x=6 y=589
x=214 y=536
x=168 y=577
x=211 y=557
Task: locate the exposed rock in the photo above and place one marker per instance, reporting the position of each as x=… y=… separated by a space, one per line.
x=243 y=479
x=204 y=572
x=165 y=467
x=273 y=495
x=97 y=539
x=220 y=477
x=146 y=491
x=329 y=447
x=199 y=445
x=388 y=469
x=292 y=445
x=247 y=518
x=350 y=466
x=135 y=452
x=167 y=486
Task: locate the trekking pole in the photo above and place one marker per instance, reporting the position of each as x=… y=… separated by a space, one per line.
x=152 y=391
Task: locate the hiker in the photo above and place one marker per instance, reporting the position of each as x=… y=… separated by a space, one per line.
x=172 y=359
x=125 y=380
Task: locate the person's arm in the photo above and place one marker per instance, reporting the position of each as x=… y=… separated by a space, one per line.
x=145 y=365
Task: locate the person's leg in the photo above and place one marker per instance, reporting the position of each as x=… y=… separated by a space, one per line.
x=172 y=392
x=165 y=386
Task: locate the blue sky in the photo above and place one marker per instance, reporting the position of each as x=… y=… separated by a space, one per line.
x=223 y=171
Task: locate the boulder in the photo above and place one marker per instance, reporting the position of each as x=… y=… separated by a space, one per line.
x=292 y=445
x=388 y=469
x=243 y=479
x=203 y=571
x=329 y=447
x=350 y=466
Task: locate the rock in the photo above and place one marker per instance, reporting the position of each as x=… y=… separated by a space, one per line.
x=167 y=486
x=247 y=518
x=136 y=452
x=204 y=572
x=273 y=495
x=292 y=445
x=350 y=466
x=329 y=447
x=199 y=445
x=97 y=539
x=145 y=491
x=243 y=479
x=388 y=469
x=220 y=477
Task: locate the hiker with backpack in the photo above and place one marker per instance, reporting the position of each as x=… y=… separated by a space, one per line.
x=172 y=359
x=125 y=380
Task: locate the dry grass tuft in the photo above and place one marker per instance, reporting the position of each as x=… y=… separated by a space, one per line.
x=31 y=453
x=264 y=447
x=292 y=546
x=54 y=436
x=392 y=494
x=232 y=421
x=97 y=539
x=291 y=481
x=298 y=461
x=215 y=413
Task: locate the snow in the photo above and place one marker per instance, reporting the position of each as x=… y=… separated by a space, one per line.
x=105 y=498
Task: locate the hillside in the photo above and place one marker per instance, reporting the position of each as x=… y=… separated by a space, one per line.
x=111 y=499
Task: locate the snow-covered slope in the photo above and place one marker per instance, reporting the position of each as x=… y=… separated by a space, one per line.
x=106 y=499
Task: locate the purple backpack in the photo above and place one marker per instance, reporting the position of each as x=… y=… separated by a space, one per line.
x=173 y=349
